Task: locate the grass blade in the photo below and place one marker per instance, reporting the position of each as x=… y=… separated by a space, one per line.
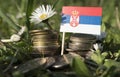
x=28 y=12
x=55 y=3
x=9 y=20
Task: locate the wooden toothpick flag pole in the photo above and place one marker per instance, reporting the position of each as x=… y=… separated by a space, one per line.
x=63 y=43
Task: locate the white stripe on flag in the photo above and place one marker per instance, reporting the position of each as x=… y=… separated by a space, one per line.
x=81 y=28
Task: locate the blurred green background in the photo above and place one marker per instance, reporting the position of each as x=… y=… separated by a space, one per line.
x=12 y=13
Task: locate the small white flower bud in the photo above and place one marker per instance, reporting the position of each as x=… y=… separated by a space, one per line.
x=98 y=46
x=15 y=37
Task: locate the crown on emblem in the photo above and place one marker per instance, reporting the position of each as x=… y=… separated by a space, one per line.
x=75 y=12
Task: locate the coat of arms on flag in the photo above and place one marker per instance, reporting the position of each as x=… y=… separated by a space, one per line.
x=81 y=20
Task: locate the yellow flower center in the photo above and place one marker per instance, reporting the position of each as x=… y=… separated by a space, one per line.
x=43 y=16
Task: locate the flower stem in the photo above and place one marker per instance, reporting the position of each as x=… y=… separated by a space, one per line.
x=49 y=26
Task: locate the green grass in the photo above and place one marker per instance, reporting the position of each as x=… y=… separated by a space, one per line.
x=17 y=53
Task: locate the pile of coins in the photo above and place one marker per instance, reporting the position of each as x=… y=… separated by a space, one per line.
x=44 y=41
x=81 y=43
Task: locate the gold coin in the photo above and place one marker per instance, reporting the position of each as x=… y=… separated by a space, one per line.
x=50 y=36
x=46 y=49
x=51 y=46
x=45 y=43
x=40 y=31
x=44 y=40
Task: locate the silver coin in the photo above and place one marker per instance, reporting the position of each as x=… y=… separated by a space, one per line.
x=82 y=38
x=32 y=64
x=80 y=47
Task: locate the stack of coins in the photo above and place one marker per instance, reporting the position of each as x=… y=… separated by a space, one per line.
x=81 y=42
x=44 y=41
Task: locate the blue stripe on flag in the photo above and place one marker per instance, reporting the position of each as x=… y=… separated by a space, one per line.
x=65 y=18
x=93 y=20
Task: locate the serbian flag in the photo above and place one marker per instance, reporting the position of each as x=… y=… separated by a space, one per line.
x=85 y=20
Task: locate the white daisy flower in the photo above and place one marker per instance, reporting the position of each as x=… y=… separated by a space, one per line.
x=42 y=13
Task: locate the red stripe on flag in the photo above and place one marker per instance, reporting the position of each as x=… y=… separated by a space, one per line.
x=88 y=11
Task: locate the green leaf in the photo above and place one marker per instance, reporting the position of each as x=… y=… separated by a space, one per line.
x=104 y=54
x=80 y=68
x=97 y=57
x=108 y=63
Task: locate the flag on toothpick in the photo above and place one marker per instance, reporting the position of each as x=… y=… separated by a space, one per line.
x=85 y=20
